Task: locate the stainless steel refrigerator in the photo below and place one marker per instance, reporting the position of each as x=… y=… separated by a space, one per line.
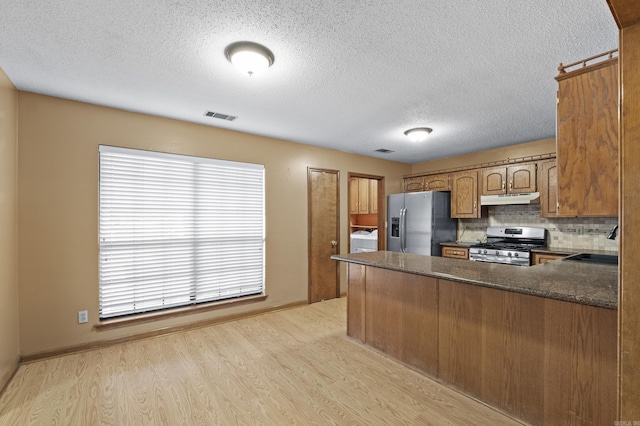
x=419 y=222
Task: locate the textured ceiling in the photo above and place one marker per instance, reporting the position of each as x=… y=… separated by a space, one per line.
x=348 y=74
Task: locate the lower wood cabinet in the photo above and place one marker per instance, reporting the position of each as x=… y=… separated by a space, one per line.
x=393 y=314
x=545 y=361
x=542 y=360
x=455 y=252
x=540 y=258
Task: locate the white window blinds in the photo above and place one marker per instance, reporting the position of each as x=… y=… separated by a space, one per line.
x=177 y=230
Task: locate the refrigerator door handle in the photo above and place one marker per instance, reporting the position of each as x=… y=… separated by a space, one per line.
x=403 y=230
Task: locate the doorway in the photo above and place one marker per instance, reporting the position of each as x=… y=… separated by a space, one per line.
x=323 y=195
x=367 y=202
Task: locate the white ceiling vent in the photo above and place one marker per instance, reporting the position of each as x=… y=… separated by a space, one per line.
x=220 y=116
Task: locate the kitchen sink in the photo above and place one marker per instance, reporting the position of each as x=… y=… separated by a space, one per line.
x=602 y=259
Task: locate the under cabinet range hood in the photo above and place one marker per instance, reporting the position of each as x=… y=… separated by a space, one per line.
x=498 y=200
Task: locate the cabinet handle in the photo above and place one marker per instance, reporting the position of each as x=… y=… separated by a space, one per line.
x=510 y=185
x=475 y=205
x=504 y=184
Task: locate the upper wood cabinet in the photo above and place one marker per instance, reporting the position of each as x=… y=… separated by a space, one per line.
x=373 y=196
x=587 y=140
x=414 y=184
x=363 y=196
x=464 y=195
x=548 y=187
x=509 y=180
x=441 y=182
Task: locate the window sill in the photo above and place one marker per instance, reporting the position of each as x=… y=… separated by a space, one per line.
x=111 y=324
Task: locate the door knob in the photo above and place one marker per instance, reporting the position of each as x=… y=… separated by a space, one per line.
x=334 y=243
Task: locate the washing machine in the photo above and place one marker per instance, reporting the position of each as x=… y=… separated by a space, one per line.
x=363 y=241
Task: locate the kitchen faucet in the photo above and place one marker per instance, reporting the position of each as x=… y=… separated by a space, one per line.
x=612 y=234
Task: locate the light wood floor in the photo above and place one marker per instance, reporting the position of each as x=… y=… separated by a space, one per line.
x=289 y=367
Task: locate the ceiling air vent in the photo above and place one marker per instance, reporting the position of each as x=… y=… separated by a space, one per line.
x=220 y=116
x=384 y=151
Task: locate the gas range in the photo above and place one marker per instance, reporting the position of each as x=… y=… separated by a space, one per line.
x=509 y=245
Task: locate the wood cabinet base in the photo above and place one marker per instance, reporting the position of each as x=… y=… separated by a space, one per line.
x=544 y=361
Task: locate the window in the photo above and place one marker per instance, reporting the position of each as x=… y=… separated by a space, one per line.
x=177 y=230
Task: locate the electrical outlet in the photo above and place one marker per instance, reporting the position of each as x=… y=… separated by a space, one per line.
x=83 y=317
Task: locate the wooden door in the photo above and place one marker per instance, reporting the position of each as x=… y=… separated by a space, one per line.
x=494 y=181
x=522 y=178
x=464 y=195
x=324 y=226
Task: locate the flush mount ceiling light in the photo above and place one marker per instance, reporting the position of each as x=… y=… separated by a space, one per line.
x=248 y=57
x=418 y=134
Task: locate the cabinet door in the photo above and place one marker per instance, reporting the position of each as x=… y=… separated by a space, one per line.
x=548 y=187
x=373 y=196
x=437 y=182
x=540 y=258
x=353 y=196
x=363 y=195
x=494 y=181
x=464 y=195
x=521 y=178
x=455 y=252
x=587 y=141
x=414 y=184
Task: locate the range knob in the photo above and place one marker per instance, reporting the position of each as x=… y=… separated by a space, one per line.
x=497 y=252
x=516 y=254
x=484 y=252
x=510 y=254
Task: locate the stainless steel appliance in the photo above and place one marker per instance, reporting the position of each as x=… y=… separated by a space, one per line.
x=511 y=245
x=419 y=222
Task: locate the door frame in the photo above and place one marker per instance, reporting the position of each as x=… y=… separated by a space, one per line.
x=309 y=226
x=382 y=212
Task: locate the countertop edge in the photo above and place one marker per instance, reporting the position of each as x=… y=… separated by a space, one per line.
x=484 y=283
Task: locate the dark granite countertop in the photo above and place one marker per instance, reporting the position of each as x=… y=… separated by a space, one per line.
x=588 y=284
x=550 y=250
x=457 y=244
x=570 y=251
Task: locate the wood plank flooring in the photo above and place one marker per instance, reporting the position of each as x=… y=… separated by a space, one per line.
x=289 y=367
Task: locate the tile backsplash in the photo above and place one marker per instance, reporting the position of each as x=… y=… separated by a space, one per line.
x=572 y=232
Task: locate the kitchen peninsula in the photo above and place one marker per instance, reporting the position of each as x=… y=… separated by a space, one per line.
x=538 y=343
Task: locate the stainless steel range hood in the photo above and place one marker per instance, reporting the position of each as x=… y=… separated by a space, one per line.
x=498 y=200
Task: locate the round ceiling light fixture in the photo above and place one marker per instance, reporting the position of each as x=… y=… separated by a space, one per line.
x=249 y=57
x=418 y=134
